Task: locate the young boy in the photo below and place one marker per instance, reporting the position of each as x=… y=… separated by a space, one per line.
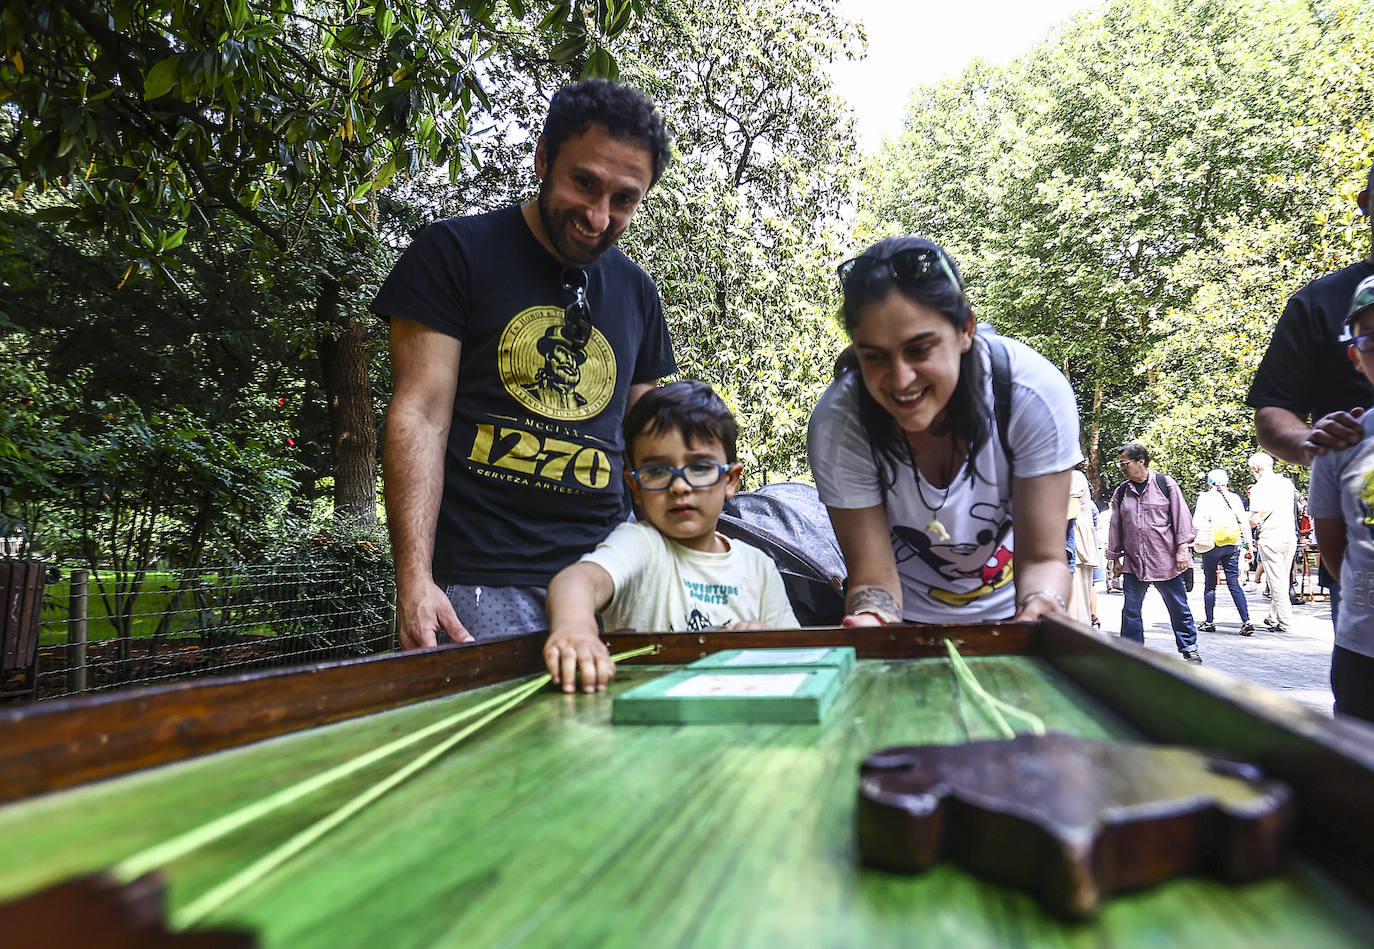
x=1342 y=504
x=670 y=570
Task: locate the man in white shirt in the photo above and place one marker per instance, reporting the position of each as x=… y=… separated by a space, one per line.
x=1272 y=510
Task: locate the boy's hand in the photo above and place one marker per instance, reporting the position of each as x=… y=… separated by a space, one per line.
x=746 y=624
x=570 y=655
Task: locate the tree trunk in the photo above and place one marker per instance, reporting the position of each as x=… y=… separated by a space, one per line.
x=348 y=396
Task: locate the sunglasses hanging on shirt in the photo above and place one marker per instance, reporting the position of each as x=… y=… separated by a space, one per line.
x=577 y=315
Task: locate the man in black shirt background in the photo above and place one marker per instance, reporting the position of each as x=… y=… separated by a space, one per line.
x=1306 y=374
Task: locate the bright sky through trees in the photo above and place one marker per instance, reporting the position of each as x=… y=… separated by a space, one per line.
x=912 y=43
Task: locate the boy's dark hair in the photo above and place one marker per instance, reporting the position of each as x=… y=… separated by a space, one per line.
x=1135 y=451
x=622 y=110
x=691 y=408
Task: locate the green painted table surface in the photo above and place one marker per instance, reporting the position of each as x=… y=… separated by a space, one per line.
x=554 y=828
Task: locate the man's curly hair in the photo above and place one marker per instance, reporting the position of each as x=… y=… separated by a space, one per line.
x=625 y=113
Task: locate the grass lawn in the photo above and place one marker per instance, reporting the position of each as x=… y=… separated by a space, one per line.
x=149 y=607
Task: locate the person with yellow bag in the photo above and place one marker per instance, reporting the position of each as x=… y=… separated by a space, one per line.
x=1219 y=517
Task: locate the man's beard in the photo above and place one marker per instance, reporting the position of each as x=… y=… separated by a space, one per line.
x=555 y=227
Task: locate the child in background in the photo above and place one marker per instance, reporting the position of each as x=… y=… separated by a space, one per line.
x=1342 y=506
x=670 y=570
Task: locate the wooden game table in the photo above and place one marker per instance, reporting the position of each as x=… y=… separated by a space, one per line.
x=552 y=827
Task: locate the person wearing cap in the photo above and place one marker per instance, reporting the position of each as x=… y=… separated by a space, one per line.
x=1221 y=523
x=1307 y=396
x=519 y=340
x=1341 y=502
x=928 y=491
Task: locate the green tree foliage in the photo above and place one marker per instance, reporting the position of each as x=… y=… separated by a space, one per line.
x=267 y=109
x=95 y=369
x=250 y=136
x=742 y=233
x=1072 y=182
x=1211 y=344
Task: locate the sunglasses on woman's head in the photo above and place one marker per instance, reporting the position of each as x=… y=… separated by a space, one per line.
x=908 y=267
x=577 y=315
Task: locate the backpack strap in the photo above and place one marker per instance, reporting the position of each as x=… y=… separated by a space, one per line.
x=1116 y=495
x=1001 y=391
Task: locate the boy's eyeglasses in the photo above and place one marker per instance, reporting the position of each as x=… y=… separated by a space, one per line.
x=577 y=315
x=698 y=474
x=908 y=267
x=1363 y=343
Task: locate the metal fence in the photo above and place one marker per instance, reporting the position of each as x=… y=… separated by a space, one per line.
x=106 y=631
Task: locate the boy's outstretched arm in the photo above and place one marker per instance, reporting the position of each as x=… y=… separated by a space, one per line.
x=575 y=595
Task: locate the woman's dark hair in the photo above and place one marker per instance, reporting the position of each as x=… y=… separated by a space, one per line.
x=622 y=110
x=691 y=408
x=968 y=417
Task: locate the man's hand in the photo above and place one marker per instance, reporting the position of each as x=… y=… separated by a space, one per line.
x=422 y=609
x=570 y=654
x=861 y=619
x=1183 y=559
x=746 y=624
x=1334 y=432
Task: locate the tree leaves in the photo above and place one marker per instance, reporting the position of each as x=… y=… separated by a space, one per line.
x=1074 y=182
x=240 y=106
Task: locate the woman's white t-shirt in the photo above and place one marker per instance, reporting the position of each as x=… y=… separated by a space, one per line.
x=966 y=577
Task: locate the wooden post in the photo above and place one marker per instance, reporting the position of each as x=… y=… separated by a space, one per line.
x=76 y=632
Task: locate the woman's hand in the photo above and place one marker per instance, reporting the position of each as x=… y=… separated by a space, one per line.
x=1042 y=569
x=1035 y=606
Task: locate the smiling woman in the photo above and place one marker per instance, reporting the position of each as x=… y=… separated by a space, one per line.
x=935 y=445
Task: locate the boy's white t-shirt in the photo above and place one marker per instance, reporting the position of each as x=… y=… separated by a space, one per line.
x=1343 y=486
x=965 y=576
x=661 y=585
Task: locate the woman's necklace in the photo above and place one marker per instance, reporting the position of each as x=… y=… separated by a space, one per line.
x=935 y=529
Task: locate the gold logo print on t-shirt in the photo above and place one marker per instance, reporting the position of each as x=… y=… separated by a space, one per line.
x=546 y=374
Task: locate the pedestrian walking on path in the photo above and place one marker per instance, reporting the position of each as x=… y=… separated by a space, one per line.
x=1151 y=535
x=1273 y=512
x=1221 y=524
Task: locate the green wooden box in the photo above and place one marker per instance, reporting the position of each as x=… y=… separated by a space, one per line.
x=840 y=658
x=701 y=696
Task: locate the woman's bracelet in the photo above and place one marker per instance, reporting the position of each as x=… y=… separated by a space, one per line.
x=1021 y=603
x=884 y=617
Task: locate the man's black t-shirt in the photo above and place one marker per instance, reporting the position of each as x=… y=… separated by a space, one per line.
x=1306 y=369
x=533 y=472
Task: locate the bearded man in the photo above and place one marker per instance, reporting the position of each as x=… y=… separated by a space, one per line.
x=519 y=340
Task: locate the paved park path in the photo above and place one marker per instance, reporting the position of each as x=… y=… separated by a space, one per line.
x=1295 y=663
